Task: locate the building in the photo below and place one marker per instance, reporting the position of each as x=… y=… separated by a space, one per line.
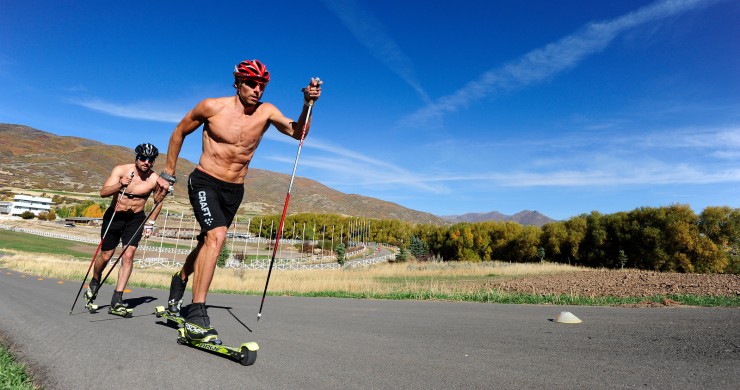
x=83 y=220
x=5 y=207
x=34 y=204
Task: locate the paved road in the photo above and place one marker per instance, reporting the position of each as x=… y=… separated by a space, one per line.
x=320 y=343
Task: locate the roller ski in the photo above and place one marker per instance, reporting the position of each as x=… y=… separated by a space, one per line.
x=196 y=332
x=175 y=318
x=90 y=296
x=117 y=307
x=121 y=310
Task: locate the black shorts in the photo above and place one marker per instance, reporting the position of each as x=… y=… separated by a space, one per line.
x=125 y=228
x=215 y=202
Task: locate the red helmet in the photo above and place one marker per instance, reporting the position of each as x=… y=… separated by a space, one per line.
x=252 y=69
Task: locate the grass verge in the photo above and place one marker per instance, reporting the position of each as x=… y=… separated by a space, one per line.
x=12 y=374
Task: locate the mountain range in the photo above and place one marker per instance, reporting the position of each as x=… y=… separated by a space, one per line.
x=525 y=217
x=32 y=159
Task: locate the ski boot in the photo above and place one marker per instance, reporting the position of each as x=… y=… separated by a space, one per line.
x=197 y=326
x=177 y=290
x=89 y=297
x=118 y=308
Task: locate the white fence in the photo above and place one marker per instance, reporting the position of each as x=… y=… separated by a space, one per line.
x=280 y=264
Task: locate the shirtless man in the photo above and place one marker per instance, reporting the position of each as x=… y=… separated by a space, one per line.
x=233 y=128
x=132 y=184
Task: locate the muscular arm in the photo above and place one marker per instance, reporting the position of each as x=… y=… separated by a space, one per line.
x=290 y=127
x=113 y=183
x=192 y=120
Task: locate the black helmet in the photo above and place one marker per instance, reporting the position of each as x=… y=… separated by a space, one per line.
x=147 y=150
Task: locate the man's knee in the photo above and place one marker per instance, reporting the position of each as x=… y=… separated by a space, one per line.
x=128 y=257
x=216 y=236
x=105 y=255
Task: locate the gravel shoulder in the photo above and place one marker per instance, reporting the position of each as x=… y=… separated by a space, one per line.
x=622 y=283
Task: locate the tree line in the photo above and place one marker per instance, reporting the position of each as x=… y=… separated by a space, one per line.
x=670 y=238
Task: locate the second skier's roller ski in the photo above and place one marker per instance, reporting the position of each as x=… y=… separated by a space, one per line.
x=116 y=307
x=90 y=297
x=121 y=310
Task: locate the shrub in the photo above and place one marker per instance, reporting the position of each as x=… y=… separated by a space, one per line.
x=341 y=252
x=402 y=255
x=223 y=256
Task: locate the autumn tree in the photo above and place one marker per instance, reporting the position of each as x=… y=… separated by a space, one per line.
x=93 y=211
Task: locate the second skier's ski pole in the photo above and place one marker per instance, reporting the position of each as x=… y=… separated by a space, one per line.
x=287 y=199
x=99 y=246
x=95 y=293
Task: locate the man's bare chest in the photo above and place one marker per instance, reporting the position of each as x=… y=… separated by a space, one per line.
x=236 y=130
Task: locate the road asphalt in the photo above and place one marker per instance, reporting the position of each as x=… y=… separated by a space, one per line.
x=328 y=343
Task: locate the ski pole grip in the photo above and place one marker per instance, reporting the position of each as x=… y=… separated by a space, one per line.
x=124 y=186
x=306 y=100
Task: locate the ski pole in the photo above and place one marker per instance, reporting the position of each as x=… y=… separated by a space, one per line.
x=95 y=293
x=285 y=207
x=98 y=250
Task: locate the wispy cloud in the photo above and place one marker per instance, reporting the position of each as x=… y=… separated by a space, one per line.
x=576 y=160
x=643 y=175
x=142 y=110
x=369 y=31
x=545 y=62
x=676 y=156
x=350 y=168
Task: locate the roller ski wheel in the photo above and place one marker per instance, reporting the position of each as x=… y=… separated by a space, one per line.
x=182 y=340
x=248 y=354
x=121 y=311
x=245 y=354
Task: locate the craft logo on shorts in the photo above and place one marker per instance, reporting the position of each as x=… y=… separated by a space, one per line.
x=204 y=208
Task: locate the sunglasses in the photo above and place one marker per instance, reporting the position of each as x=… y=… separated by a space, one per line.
x=251 y=83
x=146 y=159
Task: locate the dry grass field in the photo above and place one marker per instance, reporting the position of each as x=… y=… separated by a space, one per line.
x=454 y=280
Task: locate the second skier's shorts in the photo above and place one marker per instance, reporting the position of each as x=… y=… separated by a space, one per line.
x=122 y=229
x=215 y=202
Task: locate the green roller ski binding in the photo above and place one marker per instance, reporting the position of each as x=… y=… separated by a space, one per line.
x=90 y=297
x=121 y=310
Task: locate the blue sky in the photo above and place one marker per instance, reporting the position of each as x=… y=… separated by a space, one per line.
x=563 y=107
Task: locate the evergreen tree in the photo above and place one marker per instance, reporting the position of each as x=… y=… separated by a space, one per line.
x=223 y=256
x=418 y=248
x=402 y=255
x=341 y=251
